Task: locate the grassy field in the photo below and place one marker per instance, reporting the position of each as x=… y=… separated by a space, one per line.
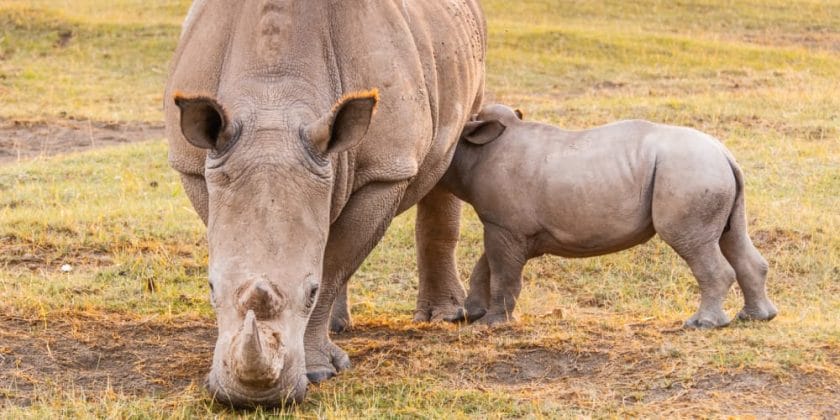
x=129 y=331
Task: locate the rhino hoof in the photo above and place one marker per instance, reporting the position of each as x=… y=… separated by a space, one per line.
x=457 y=318
x=696 y=323
x=476 y=314
x=339 y=325
x=760 y=314
x=319 y=376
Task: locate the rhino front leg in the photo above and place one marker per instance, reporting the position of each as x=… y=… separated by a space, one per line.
x=352 y=237
x=506 y=257
x=440 y=292
x=478 y=298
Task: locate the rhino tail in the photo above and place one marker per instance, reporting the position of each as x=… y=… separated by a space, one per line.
x=738 y=216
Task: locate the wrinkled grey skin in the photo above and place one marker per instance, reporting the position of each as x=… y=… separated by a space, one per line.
x=300 y=129
x=542 y=190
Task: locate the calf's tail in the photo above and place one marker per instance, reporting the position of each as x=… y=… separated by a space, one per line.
x=737 y=222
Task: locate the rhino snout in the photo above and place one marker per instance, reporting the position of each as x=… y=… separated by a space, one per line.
x=256 y=359
x=262 y=298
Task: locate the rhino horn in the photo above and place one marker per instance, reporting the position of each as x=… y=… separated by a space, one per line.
x=253 y=362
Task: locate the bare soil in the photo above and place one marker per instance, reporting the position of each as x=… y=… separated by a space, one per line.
x=96 y=354
x=24 y=140
x=633 y=372
x=100 y=353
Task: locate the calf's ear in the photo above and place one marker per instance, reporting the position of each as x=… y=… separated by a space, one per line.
x=346 y=124
x=519 y=113
x=203 y=121
x=482 y=132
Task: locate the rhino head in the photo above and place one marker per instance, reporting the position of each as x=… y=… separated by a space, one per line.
x=269 y=182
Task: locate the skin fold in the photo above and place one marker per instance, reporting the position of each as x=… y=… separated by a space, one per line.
x=300 y=129
x=539 y=190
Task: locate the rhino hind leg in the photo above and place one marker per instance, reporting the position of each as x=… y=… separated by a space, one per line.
x=751 y=273
x=440 y=293
x=340 y=320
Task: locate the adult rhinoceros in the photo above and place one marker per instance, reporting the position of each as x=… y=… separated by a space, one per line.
x=300 y=129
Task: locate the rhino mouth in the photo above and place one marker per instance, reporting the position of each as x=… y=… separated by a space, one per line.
x=240 y=396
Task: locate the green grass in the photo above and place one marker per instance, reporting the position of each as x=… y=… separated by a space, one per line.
x=111 y=68
x=761 y=75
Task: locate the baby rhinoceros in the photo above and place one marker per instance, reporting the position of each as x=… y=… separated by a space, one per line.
x=539 y=190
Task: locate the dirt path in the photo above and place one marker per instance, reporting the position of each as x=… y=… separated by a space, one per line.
x=22 y=140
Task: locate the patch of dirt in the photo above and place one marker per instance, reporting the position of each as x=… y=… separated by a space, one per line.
x=19 y=253
x=777 y=239
x=538 y=365
x=97 y=354
x=757 y=393
x=22 y=140
x=636 y=367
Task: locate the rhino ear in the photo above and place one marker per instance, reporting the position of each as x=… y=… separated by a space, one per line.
x=203 y=120
x=519 y=113
x=346 y=125
x=482 y=132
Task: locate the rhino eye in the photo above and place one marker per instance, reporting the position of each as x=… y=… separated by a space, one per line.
x=313 y=294
x=226 y=140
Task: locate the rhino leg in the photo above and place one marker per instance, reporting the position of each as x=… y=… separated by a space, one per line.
x=438 y=226
x=751 y=273
x=714 y=276
x=506 y=257
x=352 y=237
x=340 y=320
x=478 y=298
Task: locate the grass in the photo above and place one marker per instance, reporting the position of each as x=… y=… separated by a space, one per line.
x=596 y=336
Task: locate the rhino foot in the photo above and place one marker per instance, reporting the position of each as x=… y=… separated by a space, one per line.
x=703 y=321
x=764 y=312
x=325 y=364
x=463 y=315
x=340 y=324
x=492 y=319
x=320 y=376
x=441 y=312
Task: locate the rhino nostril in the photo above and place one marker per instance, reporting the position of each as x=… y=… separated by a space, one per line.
x=262 y=298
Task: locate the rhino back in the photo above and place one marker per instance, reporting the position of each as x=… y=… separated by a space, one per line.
x=426 y=59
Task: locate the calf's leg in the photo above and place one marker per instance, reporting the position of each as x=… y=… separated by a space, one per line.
x=751 y=272
x=715 y=276
x=506 y=255
x=478 y=298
